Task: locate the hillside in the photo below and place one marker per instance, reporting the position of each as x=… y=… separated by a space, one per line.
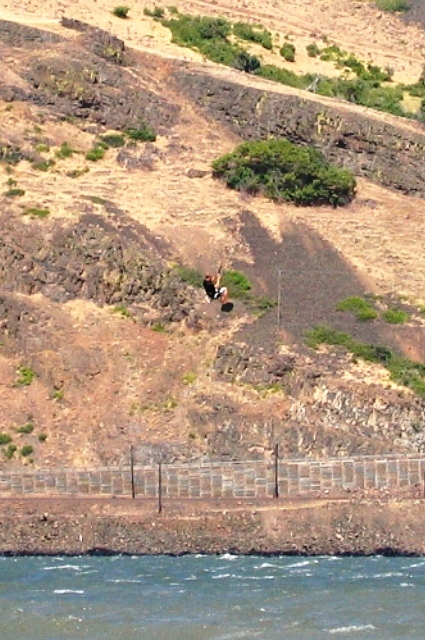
x=105 y=343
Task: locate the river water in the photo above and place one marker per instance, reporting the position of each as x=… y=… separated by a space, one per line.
x=211 y=598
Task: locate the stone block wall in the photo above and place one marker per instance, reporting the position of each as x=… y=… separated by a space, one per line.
x=247 y=479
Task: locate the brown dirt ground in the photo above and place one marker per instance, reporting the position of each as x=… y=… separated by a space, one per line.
x=376 y=244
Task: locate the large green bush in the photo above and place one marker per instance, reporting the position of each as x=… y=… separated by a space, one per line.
x=285 y=171
x=209 y=36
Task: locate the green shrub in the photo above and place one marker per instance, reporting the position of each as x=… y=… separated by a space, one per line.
x=156 y=12
x=14 y=193
x=362 y=309
x=26 y=428
x=313 y=50
x=142 y=133
x=190 y=275
x=96 y=153
x=34 y=212
x=5 y=438
x=392 y=5
x=395 y=316
x=121 y=11
x=10 y=451
x=237 y=283
x=189 y=378
x=244 y=61
x=42 y=437
x=43 y=165
x=287 y=51
x=76 y=173
x=159 y=327
x=253 y=33
x=26 y=450
x=114 y=140
x=284 y=171
x=59 y=394
x=42 y=148
x=65 y=151
x=325 y=335
x=207 y=35
x=25 y=377
x=11 y=182
x=122 y=311
x=284 y=76
x=10 y=155
x=332 y=53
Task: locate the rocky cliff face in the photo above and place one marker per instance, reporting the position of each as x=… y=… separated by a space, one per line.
x=95 y=84
x=328 y=414
x=381 y=151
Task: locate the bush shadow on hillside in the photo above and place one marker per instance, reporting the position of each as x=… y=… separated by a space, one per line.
x=313 y=277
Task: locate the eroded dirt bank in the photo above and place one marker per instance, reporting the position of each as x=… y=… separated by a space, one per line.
x=315 y=527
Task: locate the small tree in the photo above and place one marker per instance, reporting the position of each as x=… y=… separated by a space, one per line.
x=287 y=51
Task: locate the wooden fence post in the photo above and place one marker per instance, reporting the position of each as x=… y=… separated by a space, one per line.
x=133 y=493
x=276 y=471
x=160 y=487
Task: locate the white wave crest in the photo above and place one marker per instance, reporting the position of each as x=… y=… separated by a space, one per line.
x=352 y=628
x=60 y=567
x=62 y=592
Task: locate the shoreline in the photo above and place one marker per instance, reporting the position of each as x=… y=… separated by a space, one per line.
x=89 y=526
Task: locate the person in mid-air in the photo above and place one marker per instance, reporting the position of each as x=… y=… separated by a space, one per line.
x=213 y=289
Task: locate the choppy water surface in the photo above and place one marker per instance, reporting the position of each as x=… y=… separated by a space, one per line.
x=205 y=598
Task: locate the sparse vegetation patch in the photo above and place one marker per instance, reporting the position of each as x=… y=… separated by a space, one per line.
x=122 y=311
x=10 y=451
x=362 y=309
x=403 y=371
x=143 y=133
x=157 y=12
x=210 y=36
x=35 y=212
x=395 y=316
x=25 y=376
x=96 y=153
x=26 y=450
x=15 y=192
x=282 y=170
x=121 y=11
x=43 y=165
x=114 y=140
x=253 y=33
x=26 y=428
x=190 y=275
x=237 y=283
x=393 y=6
x=64 y=151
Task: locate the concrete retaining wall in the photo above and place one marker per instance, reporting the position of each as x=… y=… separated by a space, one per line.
x=248 y=479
